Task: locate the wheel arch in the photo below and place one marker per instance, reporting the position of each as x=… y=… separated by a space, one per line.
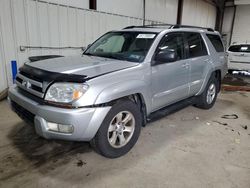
x=136 y=90
x=138 y=99
x=213 y=73
x=217 y=74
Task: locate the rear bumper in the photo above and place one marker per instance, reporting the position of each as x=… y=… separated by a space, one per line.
x=239 y=66
x=86 y=121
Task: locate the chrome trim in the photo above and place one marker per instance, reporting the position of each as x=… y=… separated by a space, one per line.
x=27 y=83
x=30 y=90
x=239 y=62
x=33 y=82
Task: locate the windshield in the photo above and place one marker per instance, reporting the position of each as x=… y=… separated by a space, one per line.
x=129 y=46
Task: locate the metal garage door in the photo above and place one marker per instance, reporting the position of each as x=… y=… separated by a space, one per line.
x=241 y=30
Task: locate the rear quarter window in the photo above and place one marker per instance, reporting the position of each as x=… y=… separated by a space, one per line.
x=216 y=42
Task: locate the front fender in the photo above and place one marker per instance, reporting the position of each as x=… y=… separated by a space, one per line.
x=125 y=88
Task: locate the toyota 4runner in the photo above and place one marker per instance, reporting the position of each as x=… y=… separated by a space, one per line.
x=106 y=95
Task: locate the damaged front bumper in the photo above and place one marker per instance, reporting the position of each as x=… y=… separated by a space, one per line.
x=83 y=122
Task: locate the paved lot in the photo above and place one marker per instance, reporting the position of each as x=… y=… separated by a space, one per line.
x=190 y=148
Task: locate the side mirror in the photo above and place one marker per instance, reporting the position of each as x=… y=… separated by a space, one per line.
x=165 y=56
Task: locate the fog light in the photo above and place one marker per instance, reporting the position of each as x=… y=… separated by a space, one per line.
x=65 y=128
x=52 y=126
x=60 y=128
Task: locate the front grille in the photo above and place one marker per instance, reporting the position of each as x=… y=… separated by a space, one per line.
x=31 y=85
x=31 y=76
x=36 y=88
x=23 y=113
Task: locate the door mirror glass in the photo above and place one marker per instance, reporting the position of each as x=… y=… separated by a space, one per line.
x=165 y=56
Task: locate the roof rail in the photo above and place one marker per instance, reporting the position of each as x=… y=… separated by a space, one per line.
x=189 y=26
x=148 y=26
x=129 y=27
x=170 y=26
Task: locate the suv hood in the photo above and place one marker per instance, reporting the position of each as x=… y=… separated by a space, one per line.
x=89 y=66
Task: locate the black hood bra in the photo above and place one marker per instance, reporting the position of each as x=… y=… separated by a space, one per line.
x=44 y=75
x=49 y=76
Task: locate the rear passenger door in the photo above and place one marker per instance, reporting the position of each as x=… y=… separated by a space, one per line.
x=198 y=59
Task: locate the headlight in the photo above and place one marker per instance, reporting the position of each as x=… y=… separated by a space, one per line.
x=65 y=92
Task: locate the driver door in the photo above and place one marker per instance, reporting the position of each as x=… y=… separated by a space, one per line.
x=170 y=79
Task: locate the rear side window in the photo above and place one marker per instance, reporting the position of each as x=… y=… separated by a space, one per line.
x=216 y=41
x=196 y=45
x=239 y=48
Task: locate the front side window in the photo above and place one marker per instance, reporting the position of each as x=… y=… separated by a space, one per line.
x=173 y=42
x=196 y=45
x=216 y=42
x=129 y=46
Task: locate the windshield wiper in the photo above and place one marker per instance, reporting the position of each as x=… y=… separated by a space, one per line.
x=105 y=56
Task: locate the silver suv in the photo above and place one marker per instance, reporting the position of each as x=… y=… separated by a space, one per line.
x=106 y=95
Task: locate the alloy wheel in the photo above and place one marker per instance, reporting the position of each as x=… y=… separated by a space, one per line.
x=121 y=129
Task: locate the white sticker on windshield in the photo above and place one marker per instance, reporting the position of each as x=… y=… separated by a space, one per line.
x=145 y=36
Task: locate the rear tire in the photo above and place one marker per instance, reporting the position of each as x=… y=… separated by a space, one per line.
x=119 y=131
x=208 y=97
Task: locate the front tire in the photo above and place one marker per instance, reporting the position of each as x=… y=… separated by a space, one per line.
x=207 y=99
x=119 y=131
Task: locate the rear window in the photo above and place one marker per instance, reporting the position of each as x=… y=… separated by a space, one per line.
x=216 y=41
x=196 y=45
x=239 y=48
